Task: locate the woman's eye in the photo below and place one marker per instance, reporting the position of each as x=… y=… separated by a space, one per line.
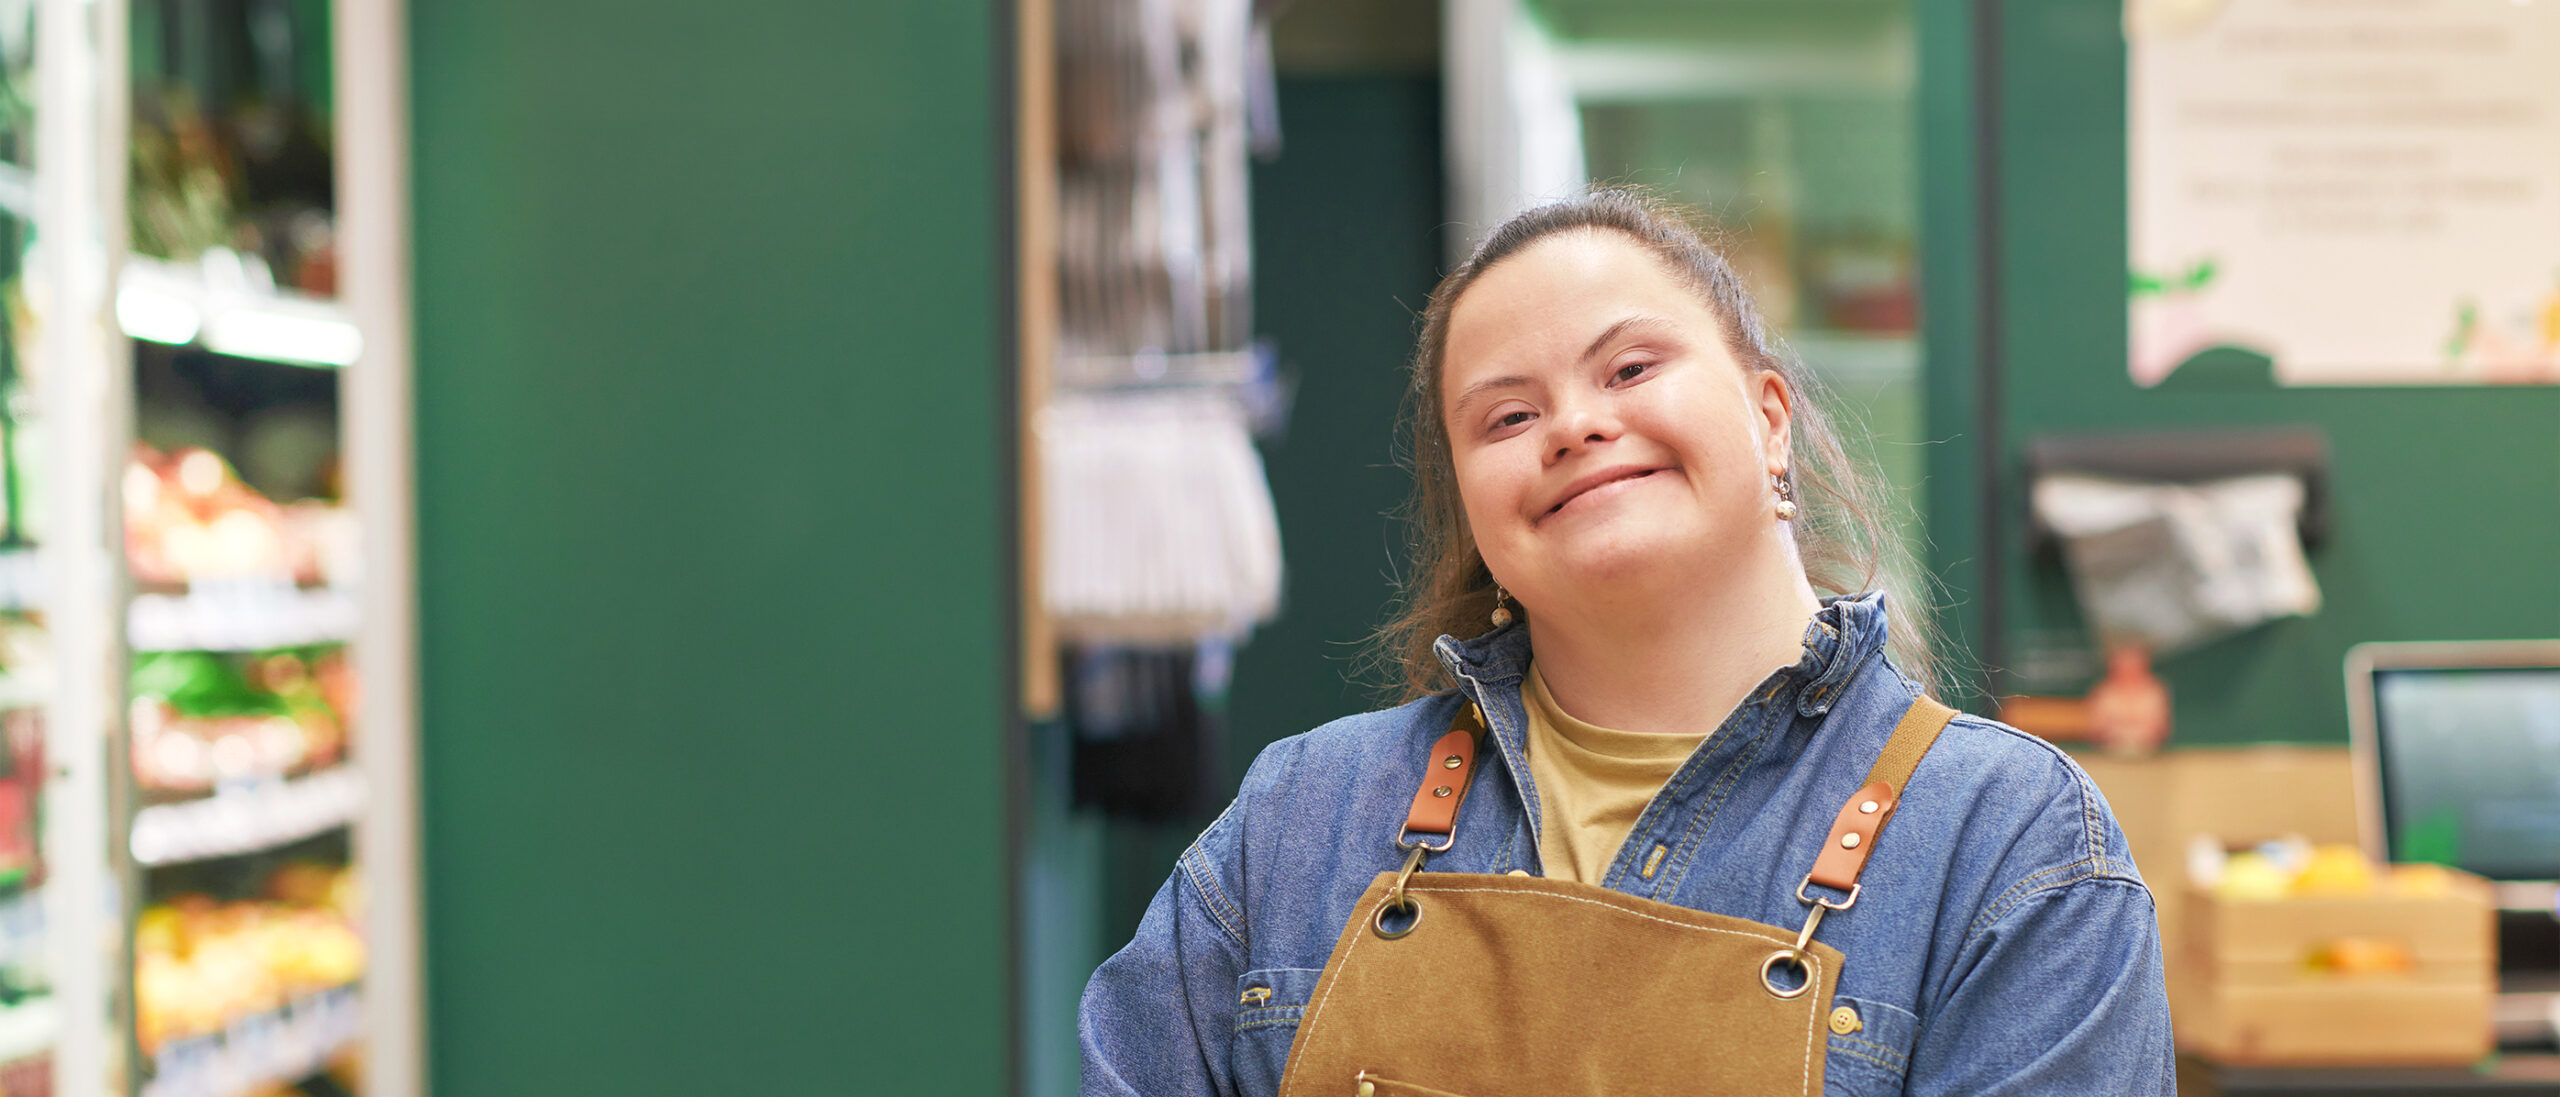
x=1631 y=371
x=1512 y=420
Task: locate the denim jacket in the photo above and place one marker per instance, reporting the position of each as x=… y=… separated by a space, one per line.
x=2001 y=943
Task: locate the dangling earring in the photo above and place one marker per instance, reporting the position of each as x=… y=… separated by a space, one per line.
x=1786 y=497
x=1501 y=612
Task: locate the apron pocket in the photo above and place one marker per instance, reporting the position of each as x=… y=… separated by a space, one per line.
x=1868 y=1059
x=1268 y=1003
x=1386 y=1088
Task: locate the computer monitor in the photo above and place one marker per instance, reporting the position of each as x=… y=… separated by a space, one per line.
x=2457 y=755
x=2457 y=760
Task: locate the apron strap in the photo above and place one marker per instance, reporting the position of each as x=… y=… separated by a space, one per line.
x=1444 y=784
x=1853 y=835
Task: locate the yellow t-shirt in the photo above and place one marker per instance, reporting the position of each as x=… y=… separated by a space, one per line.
x=1593 y=782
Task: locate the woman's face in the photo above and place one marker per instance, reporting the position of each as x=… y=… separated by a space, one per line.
x=1600 y=428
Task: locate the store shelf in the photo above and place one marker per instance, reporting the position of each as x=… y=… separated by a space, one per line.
x=241 y=617
x=22 y=930
x=262 y=1052
x=247 y=818
x=17 y=191
x=1858 y=358
x=231 y=306
x=19 y=691
x=21 y=580
x=29 y=1028
x=1681 y=72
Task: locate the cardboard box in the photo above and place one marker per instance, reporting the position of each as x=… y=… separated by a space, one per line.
x=2261 y=993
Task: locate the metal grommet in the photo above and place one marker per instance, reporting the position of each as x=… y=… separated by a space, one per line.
x=1379 y=921
x=1452 y=762
x=1849 y=840
x=1784 y=955
x=1869 y=808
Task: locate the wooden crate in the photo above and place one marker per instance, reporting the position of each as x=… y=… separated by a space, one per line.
x=2238 y=796
x=2256 y=996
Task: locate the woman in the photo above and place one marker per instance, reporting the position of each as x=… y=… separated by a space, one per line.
x=1621 y=842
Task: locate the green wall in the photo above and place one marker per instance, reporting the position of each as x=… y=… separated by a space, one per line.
x=713 y=482
x=2447 y=500
x=1347 y=245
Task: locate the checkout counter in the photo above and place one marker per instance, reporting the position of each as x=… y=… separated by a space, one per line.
x=2356 y=973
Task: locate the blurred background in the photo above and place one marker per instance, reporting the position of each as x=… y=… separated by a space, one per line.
x=645 y=548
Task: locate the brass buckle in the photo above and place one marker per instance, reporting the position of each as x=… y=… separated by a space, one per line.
x=1815 y=909
x=1843 y=904
x=1446 y=840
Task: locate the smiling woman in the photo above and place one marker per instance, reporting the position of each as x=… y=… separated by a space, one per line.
x=1620 y=790
x=1842 y=535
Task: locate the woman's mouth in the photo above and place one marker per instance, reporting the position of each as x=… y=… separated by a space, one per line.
x=1607 y=483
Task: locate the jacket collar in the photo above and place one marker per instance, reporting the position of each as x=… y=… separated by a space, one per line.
x=1837 y=640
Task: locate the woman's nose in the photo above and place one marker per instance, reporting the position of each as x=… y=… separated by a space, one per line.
x=1579 y=423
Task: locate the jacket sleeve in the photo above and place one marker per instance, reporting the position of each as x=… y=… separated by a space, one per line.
x=1158 y=1016
x=2060 y=993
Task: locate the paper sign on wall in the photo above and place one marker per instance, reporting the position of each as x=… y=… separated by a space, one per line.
x=2363 y=191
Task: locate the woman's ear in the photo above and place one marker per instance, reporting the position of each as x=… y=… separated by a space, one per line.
x=1775 y=403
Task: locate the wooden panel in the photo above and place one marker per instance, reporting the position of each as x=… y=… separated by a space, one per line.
x=2340 y=1026
x=1036 y=302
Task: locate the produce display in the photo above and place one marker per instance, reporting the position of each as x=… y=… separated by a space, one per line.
x=28 y=1077
x=189 y=519
x=21 y=782
x=201 y=719
x=201 y=964
x=250 y=171
x=245 y=946
x=2280 y=871
x=26 y=665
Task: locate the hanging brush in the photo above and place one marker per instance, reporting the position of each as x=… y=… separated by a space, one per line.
x=1160 y=527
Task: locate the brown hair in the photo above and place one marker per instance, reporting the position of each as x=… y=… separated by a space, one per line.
x=1840 y=533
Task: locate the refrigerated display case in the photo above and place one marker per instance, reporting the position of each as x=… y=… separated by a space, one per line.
x=192 y=590
x=30 y=1013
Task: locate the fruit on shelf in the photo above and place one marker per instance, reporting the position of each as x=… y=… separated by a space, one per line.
x=2362 y=956
x=189 y=518
x=21 y=784
x=2295 y=868
x=2252 y=875
x=202 y=719
x=2335 y=870
x=200 y=965
x=2421 y=881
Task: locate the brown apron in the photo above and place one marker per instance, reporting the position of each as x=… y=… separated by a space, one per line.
x=1452 y=984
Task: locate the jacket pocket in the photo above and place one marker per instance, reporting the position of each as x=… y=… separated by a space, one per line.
x=1869 y=1059
x=1268 y=1004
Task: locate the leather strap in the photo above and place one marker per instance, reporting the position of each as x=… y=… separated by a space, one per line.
x=1445 y=779
x=1853 y=834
